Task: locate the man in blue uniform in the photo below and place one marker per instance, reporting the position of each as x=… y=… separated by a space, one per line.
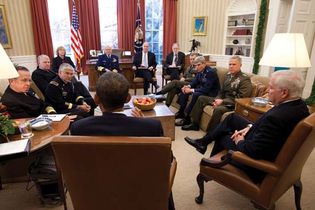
x=107 y=61
x=206 y=83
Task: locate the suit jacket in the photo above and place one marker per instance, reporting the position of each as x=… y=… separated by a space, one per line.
x=206 y=82
x=58 y=61
x=116 y=124
x=42 y=78
x=268 y=134
x=110 y=63
x=137 y=60
x=271 y=130
x=237 y=86
x=180 y=60
x=21 y=105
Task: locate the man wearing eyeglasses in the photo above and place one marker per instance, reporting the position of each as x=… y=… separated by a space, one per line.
x=20 y=101
x=205 y=83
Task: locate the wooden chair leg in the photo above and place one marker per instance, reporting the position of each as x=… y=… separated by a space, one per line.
x=259 y=207
x=200 y=180
x=62 y=191
x=297 y=194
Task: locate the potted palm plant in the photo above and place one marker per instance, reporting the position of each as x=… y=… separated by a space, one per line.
x=310 y=101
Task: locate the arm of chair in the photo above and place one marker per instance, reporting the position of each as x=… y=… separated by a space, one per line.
x=172 y=173
x=240 y=157
x=263 y=165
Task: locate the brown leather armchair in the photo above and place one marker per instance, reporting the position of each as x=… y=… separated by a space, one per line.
x=138 y=82
x=284 y=172
x=116 y=172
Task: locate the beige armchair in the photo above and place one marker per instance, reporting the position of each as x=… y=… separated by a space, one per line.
x=116 y=172
x=282 y=174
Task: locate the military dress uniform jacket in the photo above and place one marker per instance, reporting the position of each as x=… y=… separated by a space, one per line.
x=24 y=105
x=63 y=96
x=42 y=78
x=206 y=82
x=110 y=63
x=237 y=86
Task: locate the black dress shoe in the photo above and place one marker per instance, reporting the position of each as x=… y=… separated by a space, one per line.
x=190 y=127
x=179 y=115
x=197 y=144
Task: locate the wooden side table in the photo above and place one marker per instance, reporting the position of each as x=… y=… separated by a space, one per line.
x=245 y=108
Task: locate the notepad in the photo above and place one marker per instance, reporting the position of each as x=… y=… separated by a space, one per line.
x=53 y=117
x=14 y=149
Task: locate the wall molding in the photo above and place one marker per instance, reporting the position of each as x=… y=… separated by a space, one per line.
x=29 y=61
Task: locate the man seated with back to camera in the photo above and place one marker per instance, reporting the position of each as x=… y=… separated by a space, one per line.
x=174 y=87
x=20 y=100
x=112 y=91
x=236 y=84
x=265 y=138
x=111 y=94
x=144 y=64
x=67 y=96
x=205 y=83
x=107 y=61
x=175 y=59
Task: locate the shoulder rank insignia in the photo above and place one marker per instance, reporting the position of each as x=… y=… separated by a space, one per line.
x=54 y=83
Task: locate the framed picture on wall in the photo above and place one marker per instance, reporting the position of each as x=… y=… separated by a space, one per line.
x=5 y=38
x=200 y=25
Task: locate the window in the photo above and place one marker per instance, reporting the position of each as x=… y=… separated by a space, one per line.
x=60 y=24
x=154 y=27
x=108 y=22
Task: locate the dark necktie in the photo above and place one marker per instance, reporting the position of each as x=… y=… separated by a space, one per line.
x=175 y=59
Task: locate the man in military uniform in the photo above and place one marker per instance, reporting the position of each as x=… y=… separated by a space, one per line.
x=236 y=85
x=107 y=62
x=66 y=96
x=205 y=83
x=20 y=101
x=174 y=87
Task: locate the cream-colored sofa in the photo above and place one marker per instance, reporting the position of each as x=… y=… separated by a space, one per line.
x=260 y=86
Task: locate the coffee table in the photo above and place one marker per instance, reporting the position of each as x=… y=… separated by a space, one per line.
x=160 y=112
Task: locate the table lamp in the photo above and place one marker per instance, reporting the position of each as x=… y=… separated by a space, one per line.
x=286 y=50
x=7 y=69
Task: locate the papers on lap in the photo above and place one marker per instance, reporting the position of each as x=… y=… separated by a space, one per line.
x=53 y=117
x=14 y=149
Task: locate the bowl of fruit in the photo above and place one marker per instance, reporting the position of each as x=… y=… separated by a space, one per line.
x=144 y=103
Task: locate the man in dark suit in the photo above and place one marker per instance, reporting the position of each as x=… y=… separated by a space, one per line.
x=206 y=83
x=145 y=64
x=20 y=101
x=112 y=91
x=264 y=138
x=111 y=94
x=175 y=59
x=107 y=62
x=43 y=75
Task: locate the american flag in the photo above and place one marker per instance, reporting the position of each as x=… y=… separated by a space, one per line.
x=76 y=39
